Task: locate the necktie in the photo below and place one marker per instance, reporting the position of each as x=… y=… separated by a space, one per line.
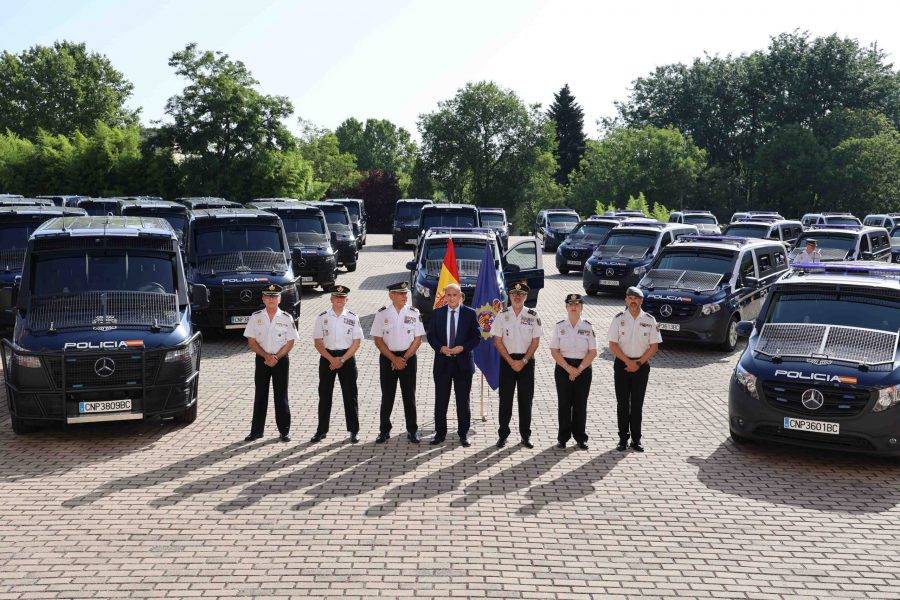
x=452 y=327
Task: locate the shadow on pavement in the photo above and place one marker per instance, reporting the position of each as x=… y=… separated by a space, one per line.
x=577 y=483
x=808 y=479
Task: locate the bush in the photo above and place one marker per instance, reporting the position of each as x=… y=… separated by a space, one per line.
x=379 y=191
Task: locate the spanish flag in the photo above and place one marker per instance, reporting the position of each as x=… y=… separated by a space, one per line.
x=449 y=274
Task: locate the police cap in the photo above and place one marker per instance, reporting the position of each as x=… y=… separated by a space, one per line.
x=273 y=289
x=401 y=287
x=340 y=291
x=574 y=299
x=519 y=287
x=811 y=241
x=634 y=291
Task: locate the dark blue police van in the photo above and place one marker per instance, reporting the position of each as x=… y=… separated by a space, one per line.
x=235 y=253
x=103 y=325
x=581 y=243
x=895 y=244
x=175 y=214
x=821 y=366
x=405 y=228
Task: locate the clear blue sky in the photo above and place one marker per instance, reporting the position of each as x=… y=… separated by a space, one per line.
x=396 y=59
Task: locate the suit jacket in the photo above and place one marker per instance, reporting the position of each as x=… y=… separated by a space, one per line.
x=468 y=335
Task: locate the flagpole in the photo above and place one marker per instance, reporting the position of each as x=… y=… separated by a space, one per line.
x=483 y=418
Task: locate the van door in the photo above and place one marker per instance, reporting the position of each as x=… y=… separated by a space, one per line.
x=524 y=262
x=748 y=303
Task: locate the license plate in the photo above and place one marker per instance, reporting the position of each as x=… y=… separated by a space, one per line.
x=412 y=241
x=306 y=280
x=608 y=282
x=102 y=406
x=240 y=320
x=576 y=263
x=812 y=426
x=669 y=326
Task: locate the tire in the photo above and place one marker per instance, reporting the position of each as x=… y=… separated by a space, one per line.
x=731 y=337
x=564 y=271
x=327 y=287
x=592 y=292
x=738 y=438
x=395 y=245
x=351 y=267
x=21 y=426
x=188 y=416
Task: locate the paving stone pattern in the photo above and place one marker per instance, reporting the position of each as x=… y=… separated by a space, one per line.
x=157 y=510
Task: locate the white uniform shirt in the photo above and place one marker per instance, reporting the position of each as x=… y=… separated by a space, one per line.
x=397 y=329
x=517 y=332
x=634 y=335
x=272 y=334
x=573 y=342
x=337 y=332
x=808 y=257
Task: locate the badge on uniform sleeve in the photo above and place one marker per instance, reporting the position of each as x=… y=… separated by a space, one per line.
x=409 y=320
x=584 y=332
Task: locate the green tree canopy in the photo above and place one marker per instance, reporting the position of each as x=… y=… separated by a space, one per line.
x=865 y=174
x=334 y=171
x=61 y=89
x=377 y=145
x=568 y=121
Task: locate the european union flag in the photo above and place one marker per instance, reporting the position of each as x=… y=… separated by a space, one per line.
x=487 y=304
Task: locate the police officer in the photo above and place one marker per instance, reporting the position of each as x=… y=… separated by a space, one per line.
x=337 y=336
x=271 y=334
x=573 y=347
x=517 y=333
x=398 y=331
x=810 y=254
x=633 y=339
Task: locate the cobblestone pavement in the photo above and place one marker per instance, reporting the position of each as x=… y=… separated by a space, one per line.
x=153 y=509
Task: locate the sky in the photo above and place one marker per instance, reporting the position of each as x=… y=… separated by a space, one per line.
x=396 y=59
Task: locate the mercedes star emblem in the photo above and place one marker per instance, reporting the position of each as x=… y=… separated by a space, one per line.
x=104 y=367
x=610 y=271
x=812 y=399
x=665 y=310
x=246 y=295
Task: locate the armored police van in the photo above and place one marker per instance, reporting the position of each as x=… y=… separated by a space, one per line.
x=63 y=200
x=20 y=201
x=551 y=226
x=888 y=221
x=357 y=209
x=175 y=214
x=495 y=218
x=821 y=364
x=340 y=231
x=522 y=262
x=700 y=287
x=201 y=203
x=103 y=325
x=622 y=257
x=17 y=223
x=101 y=207
x=314 y=257
x=829 y=218
x=405 y=229
x=447 y=215
x=235 y=253
x=705 y=221
x=738 y=216
x=847 y=242
x=581 y=243
x=766 y=228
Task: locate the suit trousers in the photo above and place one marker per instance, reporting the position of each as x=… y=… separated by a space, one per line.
x=389 y=379
x=278 y=375
x=630 y=390
x=347 y=376
x=572 y=402
x=509 y=381
x=461 y=382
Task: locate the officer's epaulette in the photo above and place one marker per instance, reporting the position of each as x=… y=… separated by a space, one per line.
x=413 y=309
x=381 y=309
x=323 y=312
x=560 y=322
x=619 y=314
x=531 y=311
x=588 y=322
x=350 y=312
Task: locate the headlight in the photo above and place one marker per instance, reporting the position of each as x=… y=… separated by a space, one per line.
x=423 y=290
x=185 y=354
x=708 y=309
x=747 y=381
x=640 y=270
x=28 y=362
x=396 y=229
x=887 y=397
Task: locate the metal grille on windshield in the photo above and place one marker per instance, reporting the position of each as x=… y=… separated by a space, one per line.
x=248 y=261
x=102 y=309
x=835 y=342
x=466 y=268
x=11 y=260
x=678 y=279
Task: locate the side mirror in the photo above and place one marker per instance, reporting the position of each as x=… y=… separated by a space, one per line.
x=750 y=281
x=334 y=237
x=411 y=265
x=200 y=295
x=745 y=328
x=6 y=298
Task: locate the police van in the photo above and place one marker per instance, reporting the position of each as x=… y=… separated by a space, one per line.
x=495 y=218
x=20 y=201
x=447 y=215
x=175 y=214
x=17 y=223
x=103 y=325
x=821 y=364
x=700 y=287
x=581 y=243
x=314 y=256
x=63 y=200
x=203 y=202
x=405 y=229
x=522 y=262
x=705 y=221
x=340 y=228
x=551 y=226
x=358 y=218
x=888 y=221
x=235 y=253
x=829 y=218
x=623 y=255
x=101 y=207
x=895 y=244
x=847 y=242
x=766 y=228
x=739 y=216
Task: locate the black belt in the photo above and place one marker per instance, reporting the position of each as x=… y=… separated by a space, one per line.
x=398 y=352
x=337 y=352
x=573 y=361
x=516 y=356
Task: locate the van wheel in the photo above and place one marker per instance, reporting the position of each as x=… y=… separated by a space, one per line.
x=188 y=416
x=731 y=336
x=592 y=292
x=738 y=439
x=21 y=426
x=351 y=267
x=395 y=245
x=564 y=271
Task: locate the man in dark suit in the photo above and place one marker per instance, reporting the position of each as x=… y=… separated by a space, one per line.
x=453 y=332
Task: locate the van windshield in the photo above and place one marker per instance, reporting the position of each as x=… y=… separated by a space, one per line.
x=14 y=236
x=835 y=241
x=841 y=220
x=491 y=220
x=353 y=209
x=631 y=238
x=748 y=231
x=700 y=220
x=590 y=231
x=895 y=238
x=562 y=220
x=448 y=219
x=305 y=229
x=850 y=309
x=337 y=220
x=233 y=239
x=704 y=262
x=98 y=209
x=124 y=270
x=409 y=212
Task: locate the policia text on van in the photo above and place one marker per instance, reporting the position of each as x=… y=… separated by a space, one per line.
x=103 y=325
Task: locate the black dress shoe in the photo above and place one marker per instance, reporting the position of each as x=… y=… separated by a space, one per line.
x=252 y=437
x=413 y=437
x=636 y=446
x=465 y=442
x=622 y=446
x=285 y=437
x=317 y=438
x=561 y=445
x=436 y=440
x=582 y=446
x=382 y=438
x=501 y=442
x=354 y=439
x=527 y=443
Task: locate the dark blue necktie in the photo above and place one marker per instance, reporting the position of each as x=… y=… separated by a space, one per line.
x=452 y=327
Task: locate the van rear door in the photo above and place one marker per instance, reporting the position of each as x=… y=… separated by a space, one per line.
x=524 y=262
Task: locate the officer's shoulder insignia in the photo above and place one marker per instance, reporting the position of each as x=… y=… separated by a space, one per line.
x=413 y=309
x=588 y=322
x=382 y=308
x=560 y=322
x=619 y=314
x=531 y=311
x=350 y=312
x=323 y=313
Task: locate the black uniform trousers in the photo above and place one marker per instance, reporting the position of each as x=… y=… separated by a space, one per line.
x=630 y=390
x=462 y=384
x=572 y=397
x=509 y=381
x=279 y=378
x=349 y=392
x=389 y=379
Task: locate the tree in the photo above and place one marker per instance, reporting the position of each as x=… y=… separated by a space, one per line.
x=789 y=171
x=483 y=145
x=845 y=123
x=865 y=175
x=568 y=119
x=659 y=162
x=334 y=171
x=379 y=144
x=379 y=191
x=61 y=89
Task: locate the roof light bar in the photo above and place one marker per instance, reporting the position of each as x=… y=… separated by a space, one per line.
x=722 y=239
x=883 y=269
